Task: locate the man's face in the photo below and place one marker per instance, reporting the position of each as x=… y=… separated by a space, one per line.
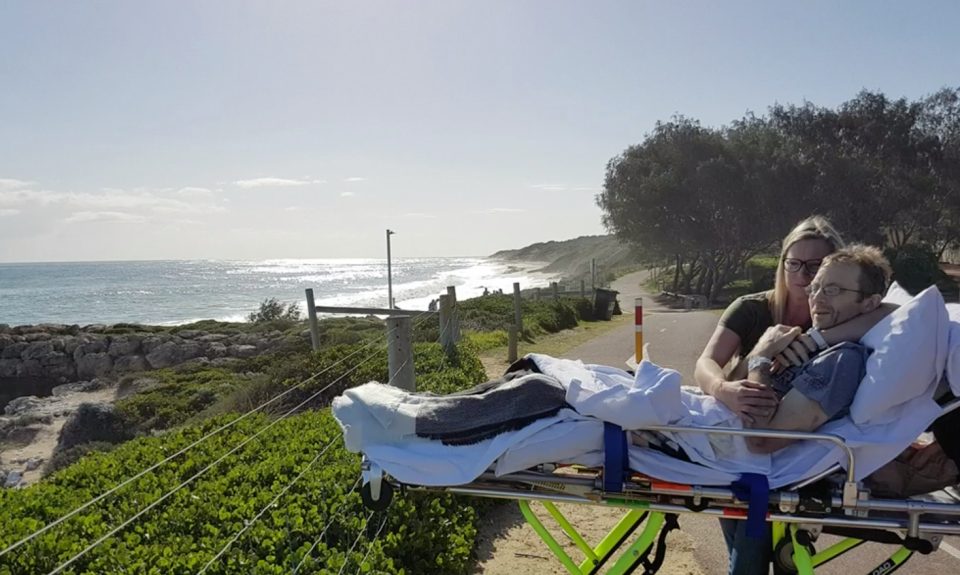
x=834 y=295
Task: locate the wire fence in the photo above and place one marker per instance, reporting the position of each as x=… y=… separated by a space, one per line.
x=65 y=564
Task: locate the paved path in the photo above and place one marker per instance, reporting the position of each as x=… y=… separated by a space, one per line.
x=675 y=339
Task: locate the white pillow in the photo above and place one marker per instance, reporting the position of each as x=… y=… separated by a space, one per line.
x=909 y=355
x=897 y=295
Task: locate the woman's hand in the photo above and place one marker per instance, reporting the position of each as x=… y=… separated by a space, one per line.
x=748 y=399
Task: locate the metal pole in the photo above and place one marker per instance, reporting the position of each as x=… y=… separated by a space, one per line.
x=389 y=274
x=312 y=314
x=400 y=353
x=517 y=307
x=638 y=328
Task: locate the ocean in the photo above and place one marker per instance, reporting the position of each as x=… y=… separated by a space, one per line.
x=179 y=292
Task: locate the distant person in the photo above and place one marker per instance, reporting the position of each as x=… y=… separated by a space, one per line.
x=432 y=306
x=486 y=292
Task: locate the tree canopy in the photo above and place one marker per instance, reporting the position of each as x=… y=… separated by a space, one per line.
x=884 y=171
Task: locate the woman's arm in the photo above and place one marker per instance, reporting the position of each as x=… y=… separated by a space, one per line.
x=857 y=327
x=719 y=350
x=747 y=399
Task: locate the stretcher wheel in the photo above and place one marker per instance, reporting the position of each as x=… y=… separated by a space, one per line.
x=783 y=554
x=386 y=496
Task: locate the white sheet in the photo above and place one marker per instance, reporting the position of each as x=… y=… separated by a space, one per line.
x=655 y=397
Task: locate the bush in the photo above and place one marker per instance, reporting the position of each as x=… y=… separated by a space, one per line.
x=915 y=267
x=178 y=397
x=762 y=271
x=273 y=310
x=67 y=457
x=495 y=312
x=93 y=422
x=422 y=533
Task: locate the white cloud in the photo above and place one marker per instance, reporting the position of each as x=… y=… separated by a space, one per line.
x=347 y=194
x=110 y=217
x=4 y=212
x=561 y=188
x=192 y=191
x=108 y=199
x=549 y=187
x=354 y=179
x=274 y=182
x=291 y=209
x=500 y=211
x=12 y=184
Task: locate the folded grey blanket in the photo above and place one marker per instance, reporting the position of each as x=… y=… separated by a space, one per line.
x=489 y=409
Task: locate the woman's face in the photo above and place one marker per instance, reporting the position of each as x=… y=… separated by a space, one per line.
x=801 y=263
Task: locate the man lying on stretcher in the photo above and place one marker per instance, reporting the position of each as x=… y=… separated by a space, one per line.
x=849 y=283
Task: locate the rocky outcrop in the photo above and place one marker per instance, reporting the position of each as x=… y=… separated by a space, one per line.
x=71 y=353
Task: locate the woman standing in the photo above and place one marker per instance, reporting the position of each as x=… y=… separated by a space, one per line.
x=739 y=329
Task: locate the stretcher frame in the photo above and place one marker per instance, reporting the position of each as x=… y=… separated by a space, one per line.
x=830 y=502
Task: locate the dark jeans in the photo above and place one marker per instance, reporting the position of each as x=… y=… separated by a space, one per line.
x=748 y=556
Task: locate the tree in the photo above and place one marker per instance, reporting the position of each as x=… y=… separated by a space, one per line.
x=884 y=171
x=273 y=310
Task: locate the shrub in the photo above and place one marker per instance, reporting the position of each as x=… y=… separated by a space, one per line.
x=495 y=312
x=93 y=422
x=178 y=397
x=422 y=533
x=762 y=271
x=273 y=310
x=67 y=457
x=915 y=267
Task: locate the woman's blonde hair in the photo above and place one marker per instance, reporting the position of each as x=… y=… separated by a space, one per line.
x=812 y=228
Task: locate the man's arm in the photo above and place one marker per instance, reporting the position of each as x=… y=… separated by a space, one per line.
x=796 y=413
x=854 y=329
x=762 y=376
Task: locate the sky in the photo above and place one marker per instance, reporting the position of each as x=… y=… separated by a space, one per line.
x=243 y=130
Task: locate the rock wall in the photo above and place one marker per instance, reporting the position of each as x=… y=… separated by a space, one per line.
x=71 y=353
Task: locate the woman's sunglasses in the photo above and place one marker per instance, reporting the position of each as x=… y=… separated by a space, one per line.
x=793 y=265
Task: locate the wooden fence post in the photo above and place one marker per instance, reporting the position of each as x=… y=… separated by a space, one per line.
x=556 y=290
x=446 y=333
x=314 y=326
x=512 y=344
x=517 y=307
x=536 y=294
x=400 y=353
x=583 y=289
x=454 y=315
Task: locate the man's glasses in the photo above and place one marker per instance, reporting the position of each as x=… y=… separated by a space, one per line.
x=793 y=265
x=830 y=290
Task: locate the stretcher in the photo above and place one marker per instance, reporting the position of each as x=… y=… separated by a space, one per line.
x=829 y=503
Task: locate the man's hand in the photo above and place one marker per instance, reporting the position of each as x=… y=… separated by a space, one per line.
x=797 y=353
x=748 y=399
x=775 y=341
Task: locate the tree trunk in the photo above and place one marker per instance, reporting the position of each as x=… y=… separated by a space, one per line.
x=676 y=274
